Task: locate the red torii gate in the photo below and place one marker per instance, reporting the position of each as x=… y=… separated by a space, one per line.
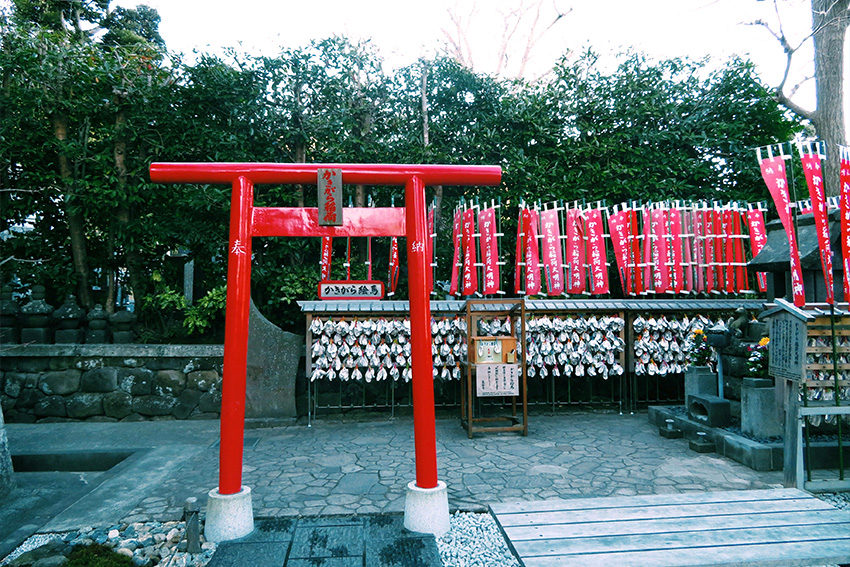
x=247 y=221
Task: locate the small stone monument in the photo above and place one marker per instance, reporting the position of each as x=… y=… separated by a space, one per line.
x=98 y=331
x=69 y=317
x=35 y=318
x=9 y=310
x=122 y=326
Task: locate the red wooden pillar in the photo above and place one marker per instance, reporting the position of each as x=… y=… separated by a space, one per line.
x=424 y=418
x=236 y=337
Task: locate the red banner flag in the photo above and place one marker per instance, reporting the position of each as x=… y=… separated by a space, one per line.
x=699 y=247
x=675 y=253
x=470 y=271
x=327 y=253
x=727 y=229
x=660 y=259
x=519 y=269
x=489 y=245
x=773 y=173
x=550 y=228
x=618 y=222
x=814 y=179
x=575 y=251
x=758 y=238
x=456 y=241
x=648 y=282
x=429 y=252
x=688 y=247
x=596 y=251
x=742 y=282
x=532 y=253
x=394 y=265
x=634 y=253
x=844 y=188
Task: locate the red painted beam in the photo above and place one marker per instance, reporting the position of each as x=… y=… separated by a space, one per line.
x=270 y=221
x=360 y=174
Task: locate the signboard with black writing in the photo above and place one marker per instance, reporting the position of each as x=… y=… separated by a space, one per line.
x=497 y=380
x=787 y=346
x=330 y=196
x=351 y=289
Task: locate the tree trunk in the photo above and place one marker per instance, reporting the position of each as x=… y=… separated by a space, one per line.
x=830 y=19
x=75 y=220
x=300 y=157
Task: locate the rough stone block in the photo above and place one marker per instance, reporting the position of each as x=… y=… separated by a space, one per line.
x=69 y=336
x=89 y=363
x=51 y=406
x=83 y=405
x=702 y=445
x=97 y=336
x=60 y=383
x=760 y=416
x=61 y=363
x=100 y=380
x=14 y=384
x=700 y=380
x=9 y=336
x=186 y=403
x=123 y=337
x=169 y=383
x=6 y=403
x=210 y=402
x=118 y=404
x=33 y=364
x=167 y=363
x=273 y=360
x=28 y=398
x=202 y=380
x=153 y=405
x=710 y=410
x=670 y=433
x=136 y=381
x=37 y=335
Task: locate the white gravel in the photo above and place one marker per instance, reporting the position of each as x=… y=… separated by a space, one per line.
x=31 y=543
x=474 y=540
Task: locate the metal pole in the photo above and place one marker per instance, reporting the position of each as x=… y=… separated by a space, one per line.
x=719 y=373
x=424 y=417
x=837 y=390
x=236 y=338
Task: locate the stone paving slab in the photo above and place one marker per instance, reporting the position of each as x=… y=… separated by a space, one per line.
x=377 y=541
x=346 y=467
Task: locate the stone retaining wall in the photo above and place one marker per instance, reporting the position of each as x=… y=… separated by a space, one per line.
x=110 y=382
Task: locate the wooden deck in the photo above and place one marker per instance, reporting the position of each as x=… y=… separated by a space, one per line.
x=748 y=527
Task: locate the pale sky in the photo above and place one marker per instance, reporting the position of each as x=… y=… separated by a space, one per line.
x=404 y=30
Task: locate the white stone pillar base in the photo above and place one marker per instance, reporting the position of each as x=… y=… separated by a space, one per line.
x=229 y=516
x=426 y=510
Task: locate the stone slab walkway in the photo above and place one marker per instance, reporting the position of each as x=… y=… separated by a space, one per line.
x=343 y=467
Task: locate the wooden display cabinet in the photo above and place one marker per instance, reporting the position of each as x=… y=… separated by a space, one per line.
x=495 y=367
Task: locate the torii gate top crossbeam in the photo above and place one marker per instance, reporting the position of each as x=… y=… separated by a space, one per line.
x=359 y=174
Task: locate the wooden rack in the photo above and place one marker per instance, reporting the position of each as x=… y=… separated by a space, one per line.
x=488 y=352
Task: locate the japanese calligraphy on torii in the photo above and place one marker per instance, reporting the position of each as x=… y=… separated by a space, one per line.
x=330 y=196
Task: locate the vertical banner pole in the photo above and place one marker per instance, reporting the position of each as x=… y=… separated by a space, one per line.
x=424 y=417
x=236 y=337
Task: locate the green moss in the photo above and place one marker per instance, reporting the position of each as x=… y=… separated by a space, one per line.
x=96 y=556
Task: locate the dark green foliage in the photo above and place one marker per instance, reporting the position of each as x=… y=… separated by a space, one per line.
x=96 y=555
x=650 y=130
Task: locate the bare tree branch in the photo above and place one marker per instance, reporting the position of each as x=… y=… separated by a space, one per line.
x=13 y=259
